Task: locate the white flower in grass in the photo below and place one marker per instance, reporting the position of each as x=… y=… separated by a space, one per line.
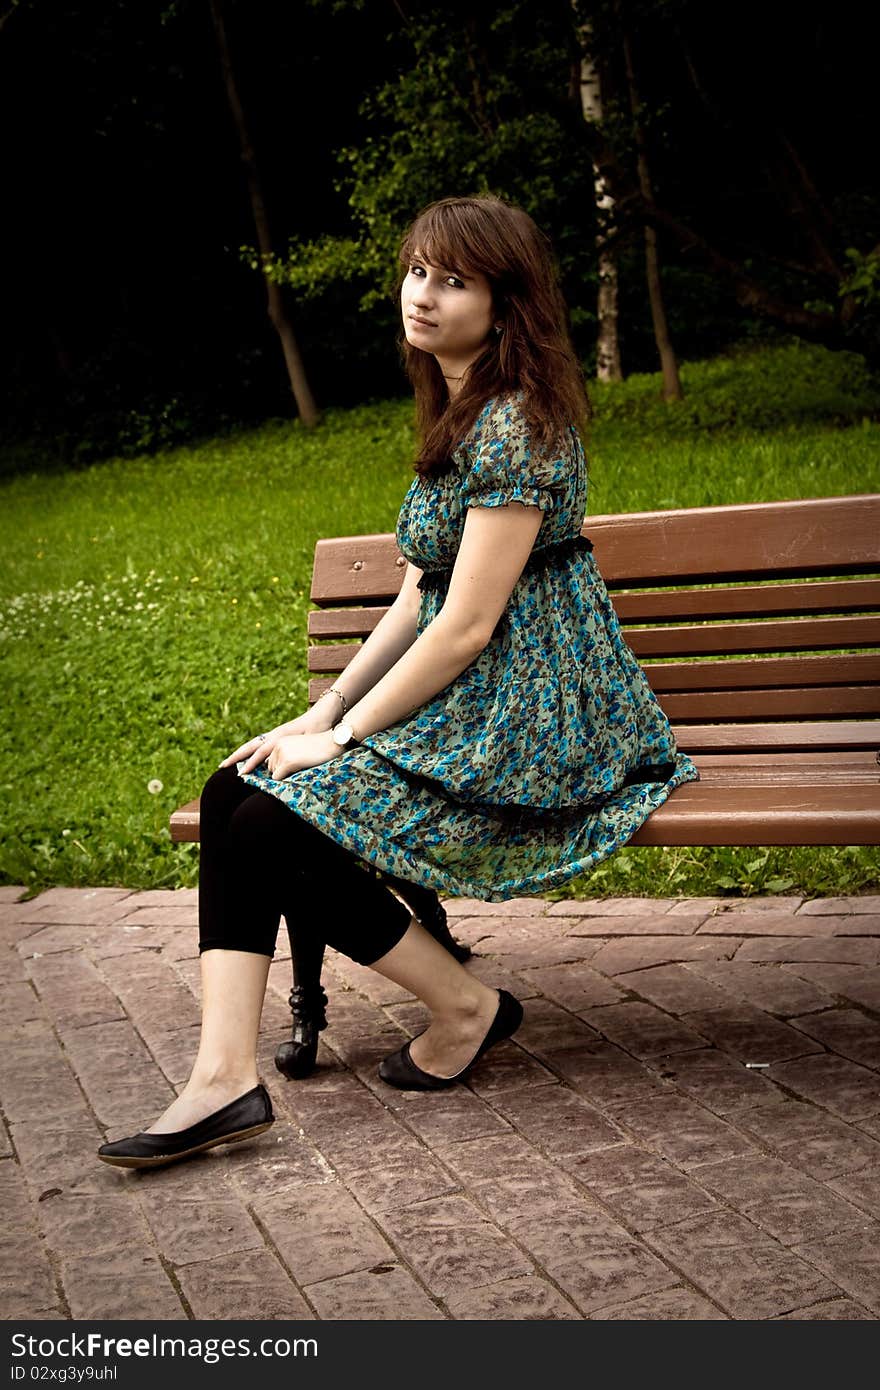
x=154 y=786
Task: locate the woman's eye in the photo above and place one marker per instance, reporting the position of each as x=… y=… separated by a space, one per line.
x=416 y=270
x=454 y=280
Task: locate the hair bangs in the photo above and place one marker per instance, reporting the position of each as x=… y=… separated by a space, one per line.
x=444 y=236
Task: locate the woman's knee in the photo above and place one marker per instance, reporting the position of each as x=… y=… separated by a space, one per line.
x=223 y=792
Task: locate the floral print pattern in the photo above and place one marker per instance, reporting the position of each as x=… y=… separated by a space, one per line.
x=549 y=750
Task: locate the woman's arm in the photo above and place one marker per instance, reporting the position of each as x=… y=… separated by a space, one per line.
x=495 y=544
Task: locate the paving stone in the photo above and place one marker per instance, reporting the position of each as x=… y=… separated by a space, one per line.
x=26 y=1279
x=852 y=1260
x=644 y=1191
x=860 y=903
x=385 y=1293
x=507 y=1068
x=283 y=1159
x=451 y=1246
x=547 y=1027
x=843 y=950
x=576 y=986
x=362 y=979
x=62 y=936
x=626 y=926
x=85 y=1224
x=669 y=1305
x=842 y=1087
x=450 y=1116
x=782 y=1201
x=19 y=1000
x=643 y=1030
x=770 y=904
x=79 y=905
x=592 y=1258
x=769 y=924
x=636 y=907
x=675 y=988
x=812 y=1140
x=188 y=1230
x=858 y=983
x=11 y=892
x=750 y=1034
x=402 y=1178
x=127 y=1283
x=683 y=1132
x=740 y=1267
x=320 y=1232
x=557 y=1120
x=845 y=1031
x=253 y=1286
x=506 y=1172
x=71 y=989
x=183 y=915
x=718 y=1081
x=619 y=957
x=527 y=1299
x=607 y=1076
x=862 y=1189
x=124 y=1086
x=697 y=907
x=514 y=907
x=60 y=1157
x=36 y=1083
x=766 y=986
x=540 y=951
x=838 y=1310
x=174 y=1052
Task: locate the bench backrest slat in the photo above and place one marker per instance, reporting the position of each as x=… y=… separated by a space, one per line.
x=735 y=599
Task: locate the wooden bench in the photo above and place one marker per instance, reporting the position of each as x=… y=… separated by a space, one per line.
x=759 y=630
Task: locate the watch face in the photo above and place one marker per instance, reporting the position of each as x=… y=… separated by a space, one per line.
x=342 y=734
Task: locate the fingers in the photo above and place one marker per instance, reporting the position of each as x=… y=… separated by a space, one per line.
x=256 y=751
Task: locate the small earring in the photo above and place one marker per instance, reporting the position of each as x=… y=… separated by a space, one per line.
x=499 y=329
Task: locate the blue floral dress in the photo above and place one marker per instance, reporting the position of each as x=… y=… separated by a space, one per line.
x=549 y=750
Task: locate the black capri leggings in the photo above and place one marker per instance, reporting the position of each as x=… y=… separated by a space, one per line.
x=259 y=860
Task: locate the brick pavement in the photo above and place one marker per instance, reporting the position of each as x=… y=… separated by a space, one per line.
x=616 y=1160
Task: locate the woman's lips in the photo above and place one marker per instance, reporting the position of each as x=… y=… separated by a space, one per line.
x=421 y=323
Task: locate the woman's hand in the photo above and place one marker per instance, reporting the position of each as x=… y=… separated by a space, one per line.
x=257 y=750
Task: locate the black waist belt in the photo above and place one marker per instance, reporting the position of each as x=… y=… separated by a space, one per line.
x=538 y=560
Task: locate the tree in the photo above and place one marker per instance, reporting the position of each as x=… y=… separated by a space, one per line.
x=277 y=310
x=608 y=364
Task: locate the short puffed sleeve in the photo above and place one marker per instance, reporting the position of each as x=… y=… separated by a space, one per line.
x=501 y=462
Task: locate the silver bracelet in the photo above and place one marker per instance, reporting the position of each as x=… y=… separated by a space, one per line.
x=331 y=690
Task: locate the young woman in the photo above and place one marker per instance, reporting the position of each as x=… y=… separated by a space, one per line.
x=494 y=736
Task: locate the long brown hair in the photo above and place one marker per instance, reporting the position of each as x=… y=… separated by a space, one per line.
x=533 y=353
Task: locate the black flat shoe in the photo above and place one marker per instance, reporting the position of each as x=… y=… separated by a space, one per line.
x=401 y=1071
x=250 y=1114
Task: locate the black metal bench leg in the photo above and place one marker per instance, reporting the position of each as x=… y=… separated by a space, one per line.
x=308 y=1002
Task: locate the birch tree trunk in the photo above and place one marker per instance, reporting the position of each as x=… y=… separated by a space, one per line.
x=278 y=315
x=668 y=362
x=608 y=365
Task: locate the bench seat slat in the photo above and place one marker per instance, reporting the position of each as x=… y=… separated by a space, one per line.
x=701 y=813
x=722 y=809
x=825 y=735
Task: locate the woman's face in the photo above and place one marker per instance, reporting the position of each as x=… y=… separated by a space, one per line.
x=446 y=312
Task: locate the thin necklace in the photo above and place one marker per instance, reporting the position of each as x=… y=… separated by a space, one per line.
x=453 y=378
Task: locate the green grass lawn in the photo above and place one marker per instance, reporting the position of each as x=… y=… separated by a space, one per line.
x=153 y=610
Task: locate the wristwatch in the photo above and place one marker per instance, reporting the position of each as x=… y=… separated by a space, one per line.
x=343 y=734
